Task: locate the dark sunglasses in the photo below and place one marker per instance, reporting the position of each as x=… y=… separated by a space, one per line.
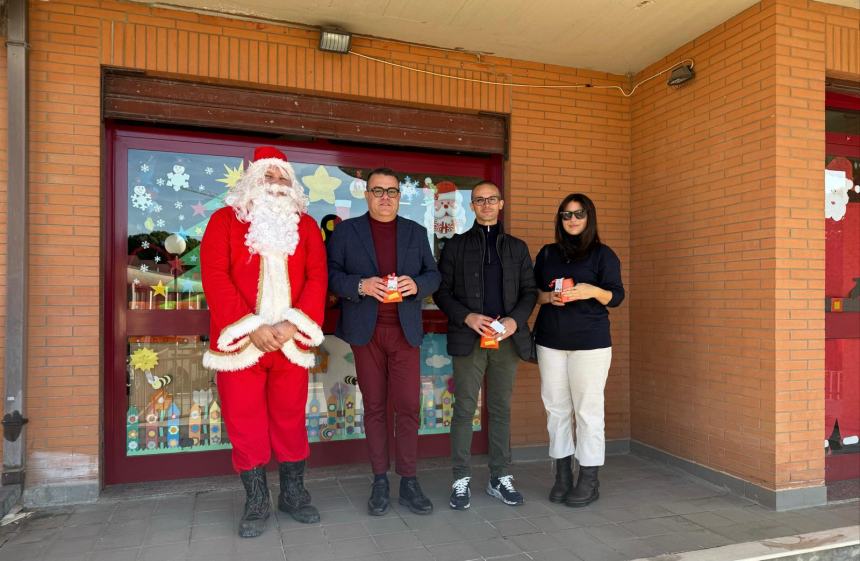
x=568 y=214
x=392 y=192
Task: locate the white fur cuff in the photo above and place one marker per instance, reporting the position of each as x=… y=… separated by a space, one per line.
x=233 y=336
x=297 y=356
x=311 y=334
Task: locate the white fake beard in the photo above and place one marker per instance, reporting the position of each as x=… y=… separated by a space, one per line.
x=274 y=222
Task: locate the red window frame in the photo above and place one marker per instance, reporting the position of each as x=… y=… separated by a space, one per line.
x=121 y=323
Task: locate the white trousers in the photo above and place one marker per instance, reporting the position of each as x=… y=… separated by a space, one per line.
x=571 y=386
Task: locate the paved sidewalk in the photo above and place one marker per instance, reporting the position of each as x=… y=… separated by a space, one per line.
x=646 y=509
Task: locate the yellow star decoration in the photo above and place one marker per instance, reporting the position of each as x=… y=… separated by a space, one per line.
x=160 y=288
x=231 y=175
x=321 y=185
x=144 y=359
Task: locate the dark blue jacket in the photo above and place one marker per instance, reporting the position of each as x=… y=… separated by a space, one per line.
x=352 y=257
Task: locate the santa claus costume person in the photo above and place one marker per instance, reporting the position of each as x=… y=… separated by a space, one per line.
x=265 y=279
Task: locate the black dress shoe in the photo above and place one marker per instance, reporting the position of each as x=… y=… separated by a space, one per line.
x=412 y=497
x=378 y=503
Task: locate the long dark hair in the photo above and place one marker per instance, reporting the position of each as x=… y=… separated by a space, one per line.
x=575 y=248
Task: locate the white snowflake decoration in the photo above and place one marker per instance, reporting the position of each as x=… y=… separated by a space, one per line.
x=193 y=258
x=157 y=259
x=159 y=182
x=201 y=187
x=136 y=281
x=160 y=223
x=181 y=217
x=144 y=268
x=208 y=170
x=408 y=188
x=144 y=168
x=177 y=205
x=140 y=199
x=144 y=244
x=178 y=179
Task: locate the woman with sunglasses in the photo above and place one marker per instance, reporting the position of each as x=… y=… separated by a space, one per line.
x=579 y=278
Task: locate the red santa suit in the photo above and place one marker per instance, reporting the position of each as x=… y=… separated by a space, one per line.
x=263 y=394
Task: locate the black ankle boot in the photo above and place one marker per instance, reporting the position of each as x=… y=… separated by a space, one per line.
x=257 y=508
x=294 y=499
x=378 y=503
x=563 y=480
x=586 y=490
x=413 y=497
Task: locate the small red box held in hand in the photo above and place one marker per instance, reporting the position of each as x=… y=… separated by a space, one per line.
x=564 y=287
x=393 y=294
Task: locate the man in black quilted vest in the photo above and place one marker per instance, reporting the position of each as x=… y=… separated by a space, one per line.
x=488 y=292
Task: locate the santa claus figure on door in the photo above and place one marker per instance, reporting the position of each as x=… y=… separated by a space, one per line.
x=450 y=215
x=264 y=274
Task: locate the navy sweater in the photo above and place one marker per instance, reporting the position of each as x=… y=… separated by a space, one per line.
x=583 y=324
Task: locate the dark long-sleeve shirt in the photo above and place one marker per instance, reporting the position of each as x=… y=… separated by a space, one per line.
x=582 y=324
x=385 y=243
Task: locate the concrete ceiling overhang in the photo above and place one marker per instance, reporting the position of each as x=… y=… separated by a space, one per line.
x=615 y=36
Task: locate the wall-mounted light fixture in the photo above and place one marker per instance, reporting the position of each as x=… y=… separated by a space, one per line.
x=680 y=75
x=334 y=40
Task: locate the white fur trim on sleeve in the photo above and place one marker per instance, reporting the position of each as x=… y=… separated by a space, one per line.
x=232 y=337
x=297 y=356
x=230 y=362
x=311 y=333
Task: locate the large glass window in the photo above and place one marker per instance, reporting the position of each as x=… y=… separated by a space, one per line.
x=170 y=193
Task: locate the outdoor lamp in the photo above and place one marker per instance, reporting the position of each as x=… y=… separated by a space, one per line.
x=681 y=75
x=334 y=40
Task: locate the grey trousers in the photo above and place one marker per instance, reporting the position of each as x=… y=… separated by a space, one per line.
x=500 y=366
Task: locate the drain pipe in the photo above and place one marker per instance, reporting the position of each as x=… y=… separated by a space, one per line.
x=17 y=247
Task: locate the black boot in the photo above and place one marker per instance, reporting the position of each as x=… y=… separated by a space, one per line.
x=413 y=497
x=294 y=498
x=563 y=480
x=257 y=508
x=586 y=490
x=378 y=503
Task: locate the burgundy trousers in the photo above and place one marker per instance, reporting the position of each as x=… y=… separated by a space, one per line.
x=388 y=369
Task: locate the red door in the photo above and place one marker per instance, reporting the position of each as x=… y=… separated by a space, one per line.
x=842 y=288
x=162 y=412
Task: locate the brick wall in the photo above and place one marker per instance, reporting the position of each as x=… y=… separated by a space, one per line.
x=727 y=236
x=560 y=142
x=4 y=178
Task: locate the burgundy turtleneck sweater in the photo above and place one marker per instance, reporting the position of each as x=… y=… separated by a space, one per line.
x=385 y=243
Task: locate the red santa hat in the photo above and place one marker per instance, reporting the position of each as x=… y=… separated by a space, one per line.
x=267 y=153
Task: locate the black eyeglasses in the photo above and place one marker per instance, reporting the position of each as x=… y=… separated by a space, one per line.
x=568 y=214
x=481 y=201
x=392 y=192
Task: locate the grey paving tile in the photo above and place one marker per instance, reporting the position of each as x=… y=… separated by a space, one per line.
x=303 y=536
x=438 y=535
x=609 y=533
x=418 y=554
x=493 y=513
x=552 y=523
x=335 y=532
x=22 y=552
x=496 y=547
x=645 y=528
x=169 y=552
x=313 y=552
x=355 y=547
x=454 y=552
x=535 y=542
x=130 y=554
x=476 y=531
x=71 y=546
x=154 y=537
x=213 y=516
x=384 y=525
x=202 y=550
x=397 y=540
x=216 y=531
x=515 y=527
x=555 y=555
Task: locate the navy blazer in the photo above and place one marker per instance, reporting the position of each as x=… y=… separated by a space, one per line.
x=352 y=257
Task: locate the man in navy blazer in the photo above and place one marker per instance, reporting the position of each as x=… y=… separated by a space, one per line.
x=385 y=335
